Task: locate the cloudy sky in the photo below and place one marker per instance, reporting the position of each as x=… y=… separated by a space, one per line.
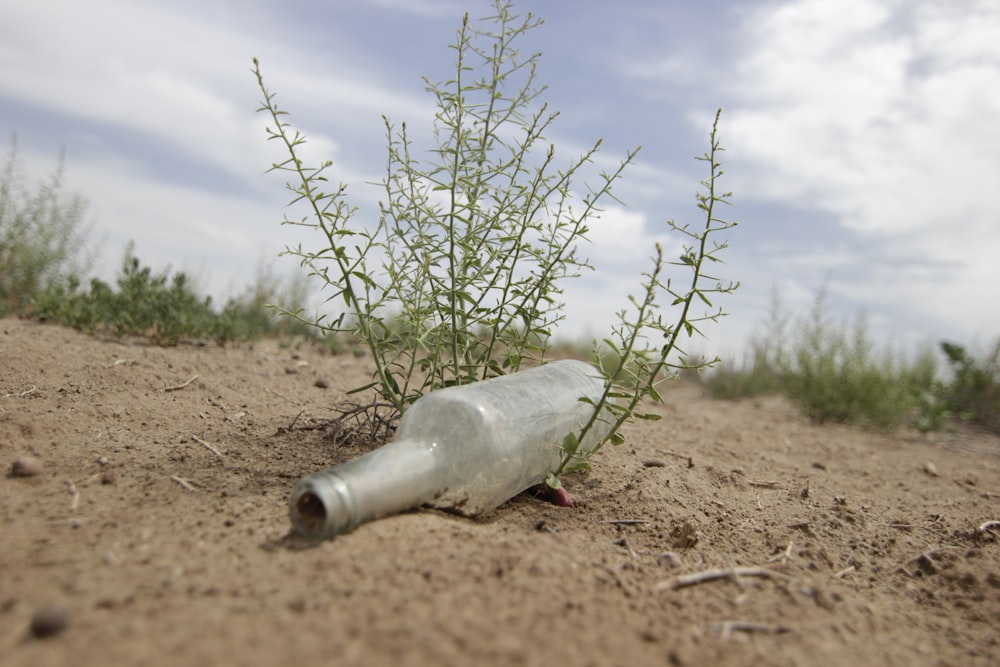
x=862 y=136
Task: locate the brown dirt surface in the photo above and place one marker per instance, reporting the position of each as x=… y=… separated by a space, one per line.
x=829 y=545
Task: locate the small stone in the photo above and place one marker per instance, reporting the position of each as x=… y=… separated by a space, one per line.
x=931 y=469
x=291 y=370
x=108 y=477
x=322 y=383
x=26 y=466
x=49 y=620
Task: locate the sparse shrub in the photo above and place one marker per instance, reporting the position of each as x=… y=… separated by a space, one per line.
x=166 y=308
x=459 y=277
x=42 y=235
x=973 y=394
x=834 y=372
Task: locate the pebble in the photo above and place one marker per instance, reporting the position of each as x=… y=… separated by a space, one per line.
x=322 y=383
x=26 y=466
x=49 y=620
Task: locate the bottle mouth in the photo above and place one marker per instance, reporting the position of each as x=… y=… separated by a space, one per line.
x=311 y=513
x=320 y=507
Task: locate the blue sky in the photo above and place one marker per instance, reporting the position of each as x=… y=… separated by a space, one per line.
x=862 y=140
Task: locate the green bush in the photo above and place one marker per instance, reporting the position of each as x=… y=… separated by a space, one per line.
x=973 y=394
x=42 y=235
x=165 y=307
x=460 y=276
x=832 y=370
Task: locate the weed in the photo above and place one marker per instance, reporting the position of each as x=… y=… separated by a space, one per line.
x=973 y=393
x=834 y=372
x=161 y=306
x=459 y=278
x=42 y=235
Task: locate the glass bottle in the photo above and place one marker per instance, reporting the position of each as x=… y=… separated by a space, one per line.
x=466 y=448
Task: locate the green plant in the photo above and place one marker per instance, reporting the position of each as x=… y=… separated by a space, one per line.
x=166 y=308
x=638 y=369
x=459 y=278
x=973 y=394
x=835 y=373
x=469 y=250
x=761 y=373
x=42 y=235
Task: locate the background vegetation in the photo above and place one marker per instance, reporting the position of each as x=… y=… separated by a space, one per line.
x=44 y=250
x=835 y=372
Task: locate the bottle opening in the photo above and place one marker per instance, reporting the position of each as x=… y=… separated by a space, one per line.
x=311 y=512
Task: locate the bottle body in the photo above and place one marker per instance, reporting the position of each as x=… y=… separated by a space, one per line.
x=466 y=448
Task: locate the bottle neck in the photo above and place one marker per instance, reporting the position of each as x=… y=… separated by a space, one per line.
x=393 y=478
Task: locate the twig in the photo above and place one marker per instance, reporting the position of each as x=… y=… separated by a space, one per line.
x=785 y=555
x=208 y=447
x=623 y=542
x=690 y=461
x=765 y=484
x=183 y=482
x=76 y=495
x=26 y=392
x=724 y=573
x=181 y=385
x=846 y=571
x=627 y=522
x=726 y=628
x=989 y=525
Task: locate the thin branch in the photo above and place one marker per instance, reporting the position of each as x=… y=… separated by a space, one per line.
x=208 y=447
x=181 y=385
x=846 y=571
x=722 y=573
x=183 y=482
x=989 y=525
x=785 y=555
x=76 y=495
x=726 y=628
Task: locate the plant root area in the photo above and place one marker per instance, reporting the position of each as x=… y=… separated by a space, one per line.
x=144 y=520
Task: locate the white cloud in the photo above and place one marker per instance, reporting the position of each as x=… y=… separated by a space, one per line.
x=882 y=113
x=164 y=71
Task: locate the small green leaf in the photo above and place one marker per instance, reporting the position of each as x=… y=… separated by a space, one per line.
x=570 y=443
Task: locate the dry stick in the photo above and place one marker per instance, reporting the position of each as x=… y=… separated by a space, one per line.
x=181 y=385
x=183 y=482
x=208 y=447
x=726 y=628
x=785 y=555
x=989 y=525
x=627 y=522
x=765 y=484
x=24 y=393
x=846 y=571
x=76 y=496
x=724 y=573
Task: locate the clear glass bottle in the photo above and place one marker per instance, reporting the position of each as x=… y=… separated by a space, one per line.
x=467 y=449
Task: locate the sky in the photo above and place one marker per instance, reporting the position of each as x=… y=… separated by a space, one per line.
x=862 y=141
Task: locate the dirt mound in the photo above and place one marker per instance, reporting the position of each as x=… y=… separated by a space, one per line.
x=152 y=526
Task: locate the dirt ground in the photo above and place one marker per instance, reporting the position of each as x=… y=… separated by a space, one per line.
x=729 y=533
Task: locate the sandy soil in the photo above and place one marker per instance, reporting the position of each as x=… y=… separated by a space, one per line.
x=836 y=546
